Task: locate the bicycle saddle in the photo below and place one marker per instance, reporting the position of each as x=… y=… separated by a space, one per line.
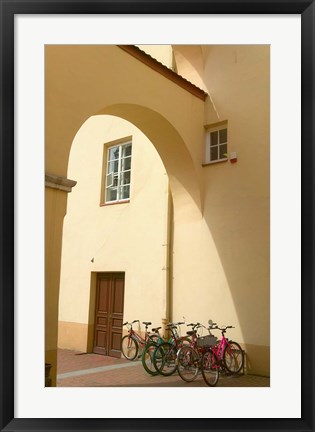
x=146 y=323
x=156 y=329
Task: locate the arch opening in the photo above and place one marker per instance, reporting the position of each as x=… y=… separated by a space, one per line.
x=185 y=184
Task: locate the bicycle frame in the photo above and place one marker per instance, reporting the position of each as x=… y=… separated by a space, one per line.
x=132 y=334
x=219 y=349
x=200 y=350
x=175 y=339
x=218 y=352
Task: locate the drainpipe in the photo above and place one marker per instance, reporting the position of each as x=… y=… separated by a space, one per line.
x=168 y=250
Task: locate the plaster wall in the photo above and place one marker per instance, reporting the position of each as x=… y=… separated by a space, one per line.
x=55 y=207
x=231 y=244
x=128 y=237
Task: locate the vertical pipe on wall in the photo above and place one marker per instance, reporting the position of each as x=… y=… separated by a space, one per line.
x=168 y=250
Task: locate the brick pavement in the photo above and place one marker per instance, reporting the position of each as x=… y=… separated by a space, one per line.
x=74 y=360
x=91 y=370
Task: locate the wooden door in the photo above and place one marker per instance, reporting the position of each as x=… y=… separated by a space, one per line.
x=109 y=307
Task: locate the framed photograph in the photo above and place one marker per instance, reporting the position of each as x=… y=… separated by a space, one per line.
x=224 y=92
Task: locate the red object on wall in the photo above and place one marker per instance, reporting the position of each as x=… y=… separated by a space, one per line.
x=233 y=157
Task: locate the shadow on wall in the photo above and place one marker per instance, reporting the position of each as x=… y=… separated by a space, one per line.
x=237 y=223
x=240 y=232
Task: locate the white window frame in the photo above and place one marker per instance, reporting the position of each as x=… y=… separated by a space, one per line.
x=207 y=151
x=119 y=173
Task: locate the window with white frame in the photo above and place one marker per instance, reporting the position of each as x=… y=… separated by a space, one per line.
x=118 y=173
x=216 y=144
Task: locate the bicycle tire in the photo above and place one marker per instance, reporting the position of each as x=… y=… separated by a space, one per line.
x=209 y=369
x=188 y=360
x=233 y=357
x=164 y=359
x=129 y=347
x=147 y=359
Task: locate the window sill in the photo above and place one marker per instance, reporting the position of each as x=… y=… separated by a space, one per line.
x=215 y=162
x=114 y=203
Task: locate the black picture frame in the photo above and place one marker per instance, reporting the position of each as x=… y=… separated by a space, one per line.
x=8 y=9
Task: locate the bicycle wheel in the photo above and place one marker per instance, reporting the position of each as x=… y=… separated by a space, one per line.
x=209 y=369
x=164 y=359
x=188 y=363
x=147 y=359
x=129 y=347
x=233 y=357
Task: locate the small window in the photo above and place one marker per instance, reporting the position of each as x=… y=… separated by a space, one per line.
x=216 y=145
x=118 y=173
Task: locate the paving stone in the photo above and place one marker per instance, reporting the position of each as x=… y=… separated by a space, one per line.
x=91 y=370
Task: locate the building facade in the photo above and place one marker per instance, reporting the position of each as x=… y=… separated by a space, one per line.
x=169 y=217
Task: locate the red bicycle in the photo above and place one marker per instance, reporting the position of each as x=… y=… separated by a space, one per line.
x=189 y=358
x=133 y=341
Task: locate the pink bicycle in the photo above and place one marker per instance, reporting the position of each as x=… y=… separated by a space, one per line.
x=226 y=355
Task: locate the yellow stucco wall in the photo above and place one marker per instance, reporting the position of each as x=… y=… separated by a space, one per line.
x=231 y=243
x=55 y=206
x=128 y=237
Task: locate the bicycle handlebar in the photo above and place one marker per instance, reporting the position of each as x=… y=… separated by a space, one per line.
x=194 y=325
x=223 y=328
x=170 y=325
x=130 y=323
x=175 y=324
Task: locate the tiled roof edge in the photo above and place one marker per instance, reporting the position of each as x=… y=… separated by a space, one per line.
x=164 y=70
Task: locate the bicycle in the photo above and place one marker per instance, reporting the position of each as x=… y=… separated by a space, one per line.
x=131 y=342
x=226 y=356
x=190 y=358
x=148 y=351
x=165 y=354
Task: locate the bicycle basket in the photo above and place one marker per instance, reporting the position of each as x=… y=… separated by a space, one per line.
x=206 y=341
